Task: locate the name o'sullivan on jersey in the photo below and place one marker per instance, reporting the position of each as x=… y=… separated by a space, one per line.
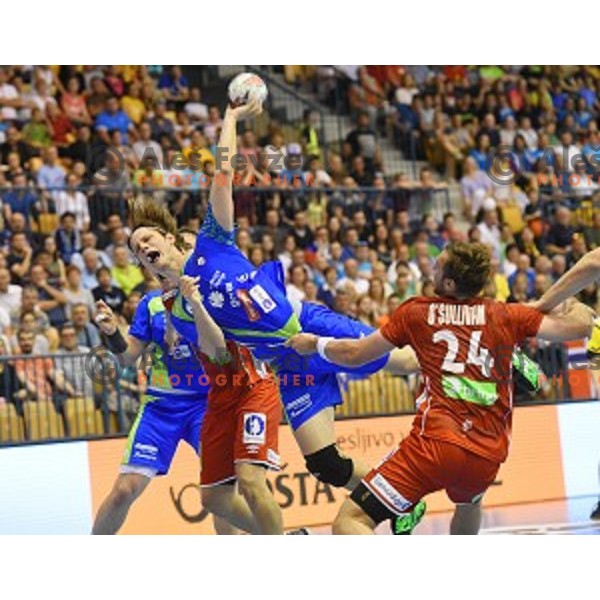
x=456 y=314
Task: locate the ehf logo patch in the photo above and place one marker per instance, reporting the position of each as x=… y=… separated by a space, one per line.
x=262 y=298
x=255 y=427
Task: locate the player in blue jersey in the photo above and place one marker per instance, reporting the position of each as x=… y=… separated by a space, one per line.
x=169 y=412
x=251 y=307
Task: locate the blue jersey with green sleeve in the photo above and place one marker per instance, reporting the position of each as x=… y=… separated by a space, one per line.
x=248 y=304
x=175 y=371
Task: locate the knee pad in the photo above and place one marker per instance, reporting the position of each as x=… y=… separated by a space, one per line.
x=329 y=466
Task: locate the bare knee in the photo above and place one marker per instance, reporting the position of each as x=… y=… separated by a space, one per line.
x=252 y=483
x=466 y=519
x=350 y=517
x=127 y=488
x=211 y=500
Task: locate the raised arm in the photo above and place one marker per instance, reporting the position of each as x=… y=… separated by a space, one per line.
x=347 y=352
x=221 y=194
x=210 y=337
x=584 y=273
x=107 y=322
x=574 y=324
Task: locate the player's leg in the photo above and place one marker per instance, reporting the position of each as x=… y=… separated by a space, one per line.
x=217 y=478
x=394 y=488
x=127 y=488
x=143 y=459
x=256 y=450
x=151 y=445
x=227 y=447
x=252 y=485
x=316 y=440
x=466 y=519
x=469 y=477
x=226 y=504
x=353 y=520
x=223 y=527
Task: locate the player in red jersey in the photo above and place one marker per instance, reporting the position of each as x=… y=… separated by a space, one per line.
x=240 y=430
x=461 y=433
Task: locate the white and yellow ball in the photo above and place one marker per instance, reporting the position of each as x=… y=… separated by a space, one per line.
x=246 y=87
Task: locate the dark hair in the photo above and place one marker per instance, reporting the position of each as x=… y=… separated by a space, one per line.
x=67 y=325
x=102 y=270
x=469 y=266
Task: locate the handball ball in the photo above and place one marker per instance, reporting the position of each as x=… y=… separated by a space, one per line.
x=246 y=87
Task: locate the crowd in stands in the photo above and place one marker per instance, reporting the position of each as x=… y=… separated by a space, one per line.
x=349 y=234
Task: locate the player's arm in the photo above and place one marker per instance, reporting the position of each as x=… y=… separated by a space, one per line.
x=129 y=347
x=584 y=273
x=575 y=323
x=221 y=198
x=210 y=337
x=348 y=352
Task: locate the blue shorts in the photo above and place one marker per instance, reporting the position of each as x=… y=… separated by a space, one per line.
x=304 y=396
x=316 y=386
x=159 y=426
x=322 y=321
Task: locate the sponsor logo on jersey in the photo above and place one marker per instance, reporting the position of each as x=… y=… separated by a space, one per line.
x=299 y=405
x=262 y=298
x=229 y=287
x=145 y=451
x=216 y=299
x=249 y=308
x=217 y=278
x=255 y=427
x=389 y=493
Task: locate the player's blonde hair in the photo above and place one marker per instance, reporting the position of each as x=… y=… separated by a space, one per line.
x=144 y=212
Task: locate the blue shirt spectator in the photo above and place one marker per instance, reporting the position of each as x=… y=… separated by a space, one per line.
x=50 y=174
x=113 y=118
x=20 y=201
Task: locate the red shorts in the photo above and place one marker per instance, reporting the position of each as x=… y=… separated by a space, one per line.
x=243 y=429
x=421 y=465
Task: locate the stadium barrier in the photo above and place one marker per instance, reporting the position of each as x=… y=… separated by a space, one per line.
x=58 y=488
x=89 y=396
x=186 y=196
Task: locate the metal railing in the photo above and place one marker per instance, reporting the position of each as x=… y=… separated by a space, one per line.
x=290 y=193
x=65 y=395
x=77 y=396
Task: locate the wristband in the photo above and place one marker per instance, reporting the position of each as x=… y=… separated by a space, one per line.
x=116 y=342
x=321 y=345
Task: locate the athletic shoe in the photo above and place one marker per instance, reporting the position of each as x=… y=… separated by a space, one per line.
x=299 y=531
x=404 y=524
x=596 y=512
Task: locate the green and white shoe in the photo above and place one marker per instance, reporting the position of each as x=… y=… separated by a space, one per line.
x=404 y=524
